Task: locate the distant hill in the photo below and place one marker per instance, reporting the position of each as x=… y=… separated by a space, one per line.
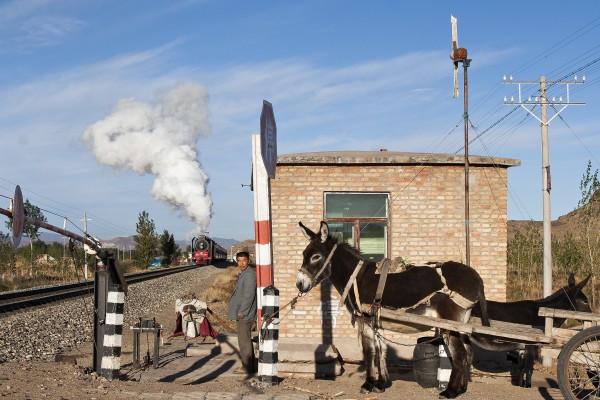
x=183 y=244
x=568 y=223
x=227 y=243
x=121 y=242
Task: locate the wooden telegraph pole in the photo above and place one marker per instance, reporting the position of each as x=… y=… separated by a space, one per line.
x=529 y=105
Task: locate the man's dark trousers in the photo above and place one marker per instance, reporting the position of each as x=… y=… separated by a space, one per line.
x=244 y=330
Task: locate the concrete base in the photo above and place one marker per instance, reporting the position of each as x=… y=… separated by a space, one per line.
x=311 y=360
x=228 y=343
x=199 y=349
x=350 y=349
x=310 y=369
x=303 y=352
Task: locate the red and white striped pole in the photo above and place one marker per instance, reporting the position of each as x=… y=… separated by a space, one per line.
x=262 y=223
x=264 y=161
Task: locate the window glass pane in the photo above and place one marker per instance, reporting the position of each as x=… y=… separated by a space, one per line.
x=356 y=205
x=342 y=231
x=373 y=241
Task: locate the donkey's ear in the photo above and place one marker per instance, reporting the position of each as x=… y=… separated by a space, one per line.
x=307 y=232
x=581 y=284
x=324 y=231
x=571 y=280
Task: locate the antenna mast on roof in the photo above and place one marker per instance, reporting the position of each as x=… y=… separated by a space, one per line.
x=459 y=54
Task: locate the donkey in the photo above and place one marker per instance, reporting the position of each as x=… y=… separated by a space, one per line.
x=525 y=312
x=420 y=290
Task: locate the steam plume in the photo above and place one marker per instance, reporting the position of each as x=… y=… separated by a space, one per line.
x=160 y=139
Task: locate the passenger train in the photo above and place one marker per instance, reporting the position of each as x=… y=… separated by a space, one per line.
x=206 y=251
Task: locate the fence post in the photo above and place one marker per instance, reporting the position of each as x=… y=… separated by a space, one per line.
x=269 y=338
x=445 y=367
x=113 y=332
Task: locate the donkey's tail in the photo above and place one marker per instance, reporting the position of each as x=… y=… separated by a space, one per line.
x=485 y=320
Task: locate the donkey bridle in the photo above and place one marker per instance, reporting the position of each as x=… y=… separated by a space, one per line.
x=325 y=264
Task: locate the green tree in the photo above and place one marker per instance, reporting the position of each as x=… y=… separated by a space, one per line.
x=590 y=222
x=146 y=240
x=524 y=259
x=167 y=247
x=8 y=257
x=567 y=257
x=30 y=230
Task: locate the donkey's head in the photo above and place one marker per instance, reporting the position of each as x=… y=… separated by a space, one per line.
x=314 y=267
x=578 y=299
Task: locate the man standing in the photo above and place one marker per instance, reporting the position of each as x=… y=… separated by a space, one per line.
x=242 y=308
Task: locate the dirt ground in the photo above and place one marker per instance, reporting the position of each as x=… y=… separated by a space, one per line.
x=72 y=378
x=60 y=380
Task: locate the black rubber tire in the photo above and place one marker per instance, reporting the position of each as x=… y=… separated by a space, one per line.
x=578 y=371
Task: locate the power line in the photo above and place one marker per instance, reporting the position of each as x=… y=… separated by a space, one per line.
x=64 y=213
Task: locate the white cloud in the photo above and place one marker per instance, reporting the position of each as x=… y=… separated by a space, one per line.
x=15 y=9
x=28 y=25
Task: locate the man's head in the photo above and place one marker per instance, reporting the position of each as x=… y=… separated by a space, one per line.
x=243 y=258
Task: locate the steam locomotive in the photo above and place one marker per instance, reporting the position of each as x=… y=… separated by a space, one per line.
x=206 y=251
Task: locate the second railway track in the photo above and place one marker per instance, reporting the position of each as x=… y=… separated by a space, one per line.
x=11 y=302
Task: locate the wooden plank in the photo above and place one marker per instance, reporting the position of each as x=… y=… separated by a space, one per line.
x=522 y=333
x=402 y=316
x=504 y=333
x=548 y=324
x=549 y=352
x=507 y=330
x=562 y=336
x=583 y=316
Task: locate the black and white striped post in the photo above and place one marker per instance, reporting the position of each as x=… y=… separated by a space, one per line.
x=445 y=368
x=113 y=332
x=110 y=289
x=269 y=338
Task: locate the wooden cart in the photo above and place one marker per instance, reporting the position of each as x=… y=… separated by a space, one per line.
x=577 y=349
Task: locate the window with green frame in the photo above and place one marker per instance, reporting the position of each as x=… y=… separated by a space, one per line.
x=359 y=219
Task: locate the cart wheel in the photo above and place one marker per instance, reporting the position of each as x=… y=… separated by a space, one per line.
x=579 y=365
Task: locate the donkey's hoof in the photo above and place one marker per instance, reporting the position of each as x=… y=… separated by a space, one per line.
x=448 y=394
x=366 y=388
x=378 y=389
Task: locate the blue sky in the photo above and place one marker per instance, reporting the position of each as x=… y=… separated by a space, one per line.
x=341 y=75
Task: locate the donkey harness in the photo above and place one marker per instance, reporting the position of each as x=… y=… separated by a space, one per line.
x=383 y=267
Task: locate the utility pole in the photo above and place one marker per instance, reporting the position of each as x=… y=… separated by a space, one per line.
x=529 y=105
x=85 y=268
x=460 y=54
x=64 y=260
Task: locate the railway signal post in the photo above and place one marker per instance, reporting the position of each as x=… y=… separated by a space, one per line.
x=110 y=289
x=264 y=160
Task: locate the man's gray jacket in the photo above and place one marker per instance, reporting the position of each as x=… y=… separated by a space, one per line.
x=243 y=299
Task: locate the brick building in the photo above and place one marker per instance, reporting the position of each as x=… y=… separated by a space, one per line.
x=387 y=204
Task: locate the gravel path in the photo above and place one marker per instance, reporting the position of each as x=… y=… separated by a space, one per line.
x=41 y=333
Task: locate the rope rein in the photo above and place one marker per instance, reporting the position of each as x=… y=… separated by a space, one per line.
x=267 y=319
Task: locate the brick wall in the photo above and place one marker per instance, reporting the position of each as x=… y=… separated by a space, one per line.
x=427 y=224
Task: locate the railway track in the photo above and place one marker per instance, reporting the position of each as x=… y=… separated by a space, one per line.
x=15 y=301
